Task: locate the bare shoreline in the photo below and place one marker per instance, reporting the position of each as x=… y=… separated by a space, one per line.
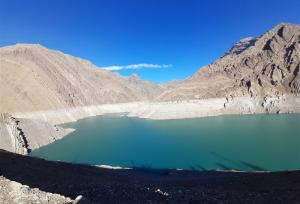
x=41 y=127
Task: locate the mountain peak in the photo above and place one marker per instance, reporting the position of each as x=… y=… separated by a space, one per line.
x=283 y=30
x=267 y=65
x=134 y=76
x=23 y=48
x=28 y=45
x=242 y=45
x=20 y=46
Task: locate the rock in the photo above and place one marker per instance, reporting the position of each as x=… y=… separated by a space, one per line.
x=81 y=200
x=14 y=193
x=161 y=193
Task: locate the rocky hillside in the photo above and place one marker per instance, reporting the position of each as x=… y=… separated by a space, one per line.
x=266 y=65
x=36 y=78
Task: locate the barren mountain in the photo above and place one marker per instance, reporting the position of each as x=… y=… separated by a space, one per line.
x=266 y=65
x=36 y=78
x=41 y=88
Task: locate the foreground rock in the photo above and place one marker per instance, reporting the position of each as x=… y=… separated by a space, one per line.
x=21 y=135
x=12 y=192
x=142 y=185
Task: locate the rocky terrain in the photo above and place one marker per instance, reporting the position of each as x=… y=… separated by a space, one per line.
x=263 y=66
x=22 y=135
x=14 y=193
x=142 y=185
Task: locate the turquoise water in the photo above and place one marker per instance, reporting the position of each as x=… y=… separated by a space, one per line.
x=260 y=142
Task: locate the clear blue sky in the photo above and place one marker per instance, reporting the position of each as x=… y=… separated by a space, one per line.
x=186 y=34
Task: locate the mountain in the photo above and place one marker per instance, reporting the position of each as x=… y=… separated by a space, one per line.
x=145 y=88
x=257 y=75
x=36 y=78
x=260 y=66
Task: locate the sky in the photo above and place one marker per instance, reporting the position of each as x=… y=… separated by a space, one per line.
x=159 y=40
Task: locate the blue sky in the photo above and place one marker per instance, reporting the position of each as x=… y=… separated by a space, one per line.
x=159 y=40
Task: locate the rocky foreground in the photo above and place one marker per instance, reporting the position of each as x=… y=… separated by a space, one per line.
x=14 y=192
x=144 y=185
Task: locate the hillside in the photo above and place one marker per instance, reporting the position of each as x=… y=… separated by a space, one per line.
x=36 y=78
x=264 y=66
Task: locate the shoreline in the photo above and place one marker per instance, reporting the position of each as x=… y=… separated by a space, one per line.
x=173 y=109
x=42 y=127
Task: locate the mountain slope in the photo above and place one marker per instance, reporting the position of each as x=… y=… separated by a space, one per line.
x=36 y=78
x=267 y=65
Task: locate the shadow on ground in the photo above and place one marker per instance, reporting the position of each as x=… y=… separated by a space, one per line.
x=140 y=185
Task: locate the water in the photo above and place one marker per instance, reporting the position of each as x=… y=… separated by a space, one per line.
x=249 y=143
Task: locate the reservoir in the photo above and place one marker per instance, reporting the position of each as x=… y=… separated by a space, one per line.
x=248 y=143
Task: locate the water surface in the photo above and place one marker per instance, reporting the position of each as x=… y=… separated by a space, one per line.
x=250 y=143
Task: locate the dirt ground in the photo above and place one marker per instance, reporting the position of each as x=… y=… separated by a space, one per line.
x=150 y=186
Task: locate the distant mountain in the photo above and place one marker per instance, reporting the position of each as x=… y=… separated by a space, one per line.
x=36 y=78
x=266 y=65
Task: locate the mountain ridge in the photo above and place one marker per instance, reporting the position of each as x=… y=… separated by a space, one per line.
x=29 y=71
x=270 y=66
x=36 y=78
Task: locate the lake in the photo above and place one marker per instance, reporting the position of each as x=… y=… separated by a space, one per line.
x=248 y=142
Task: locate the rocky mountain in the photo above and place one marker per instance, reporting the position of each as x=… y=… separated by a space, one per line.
x=41 y=88
x=36 y=78
x=145 y=88
x=266 y=65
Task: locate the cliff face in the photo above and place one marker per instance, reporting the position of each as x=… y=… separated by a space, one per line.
x=36 y=78
x=267 y=65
